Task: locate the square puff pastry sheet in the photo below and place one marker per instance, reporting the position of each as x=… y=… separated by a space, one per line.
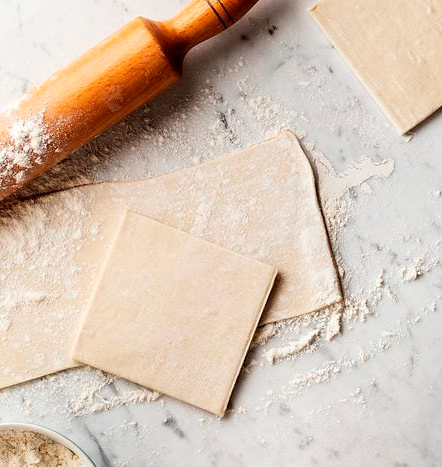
x=174 y=313
x=394 y=47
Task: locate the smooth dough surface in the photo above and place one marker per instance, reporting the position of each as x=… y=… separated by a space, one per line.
x=174 y=313
x=260 y=202
x=394 y=47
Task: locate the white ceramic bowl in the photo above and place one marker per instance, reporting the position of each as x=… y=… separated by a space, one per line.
x=54 y=435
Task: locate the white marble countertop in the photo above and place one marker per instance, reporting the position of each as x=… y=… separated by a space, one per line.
x=275 y=69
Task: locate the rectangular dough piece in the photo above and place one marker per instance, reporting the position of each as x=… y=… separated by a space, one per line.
x=260 y=202
x=394 y=47
x=174 y=313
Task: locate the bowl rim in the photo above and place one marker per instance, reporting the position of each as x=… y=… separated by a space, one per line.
x=52 y=434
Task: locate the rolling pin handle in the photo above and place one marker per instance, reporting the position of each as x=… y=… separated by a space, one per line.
x=201 y=20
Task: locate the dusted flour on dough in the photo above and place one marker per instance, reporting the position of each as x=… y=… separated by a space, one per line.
x=27 y=449
x=37 y=273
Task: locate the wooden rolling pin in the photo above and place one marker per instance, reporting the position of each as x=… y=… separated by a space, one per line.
x=107 y=83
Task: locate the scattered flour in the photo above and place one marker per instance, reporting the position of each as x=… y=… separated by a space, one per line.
x=409 y=272
x=334 y=325
x=314 y=376
x=414 y=269
x=331 y=369
x=264 y=334
x=334 y=185
x=292 y=350
x=91 y=401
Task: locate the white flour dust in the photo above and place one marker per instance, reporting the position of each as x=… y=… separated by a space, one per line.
x=412 y=270
x=91 y=401
x=289 y=351
x=33 y=244
x=334 y=185
x=28 y=141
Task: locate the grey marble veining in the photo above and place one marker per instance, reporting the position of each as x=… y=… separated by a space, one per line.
x=383 y=412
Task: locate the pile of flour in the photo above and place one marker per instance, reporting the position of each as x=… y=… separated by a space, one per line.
x=27 y=449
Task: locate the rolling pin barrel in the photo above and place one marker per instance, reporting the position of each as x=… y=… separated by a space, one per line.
x=102 y=87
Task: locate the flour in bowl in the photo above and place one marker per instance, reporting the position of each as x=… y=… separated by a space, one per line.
x=27 y=448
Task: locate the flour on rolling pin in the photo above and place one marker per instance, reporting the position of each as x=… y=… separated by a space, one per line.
x=28 y=141
x=96 y=91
